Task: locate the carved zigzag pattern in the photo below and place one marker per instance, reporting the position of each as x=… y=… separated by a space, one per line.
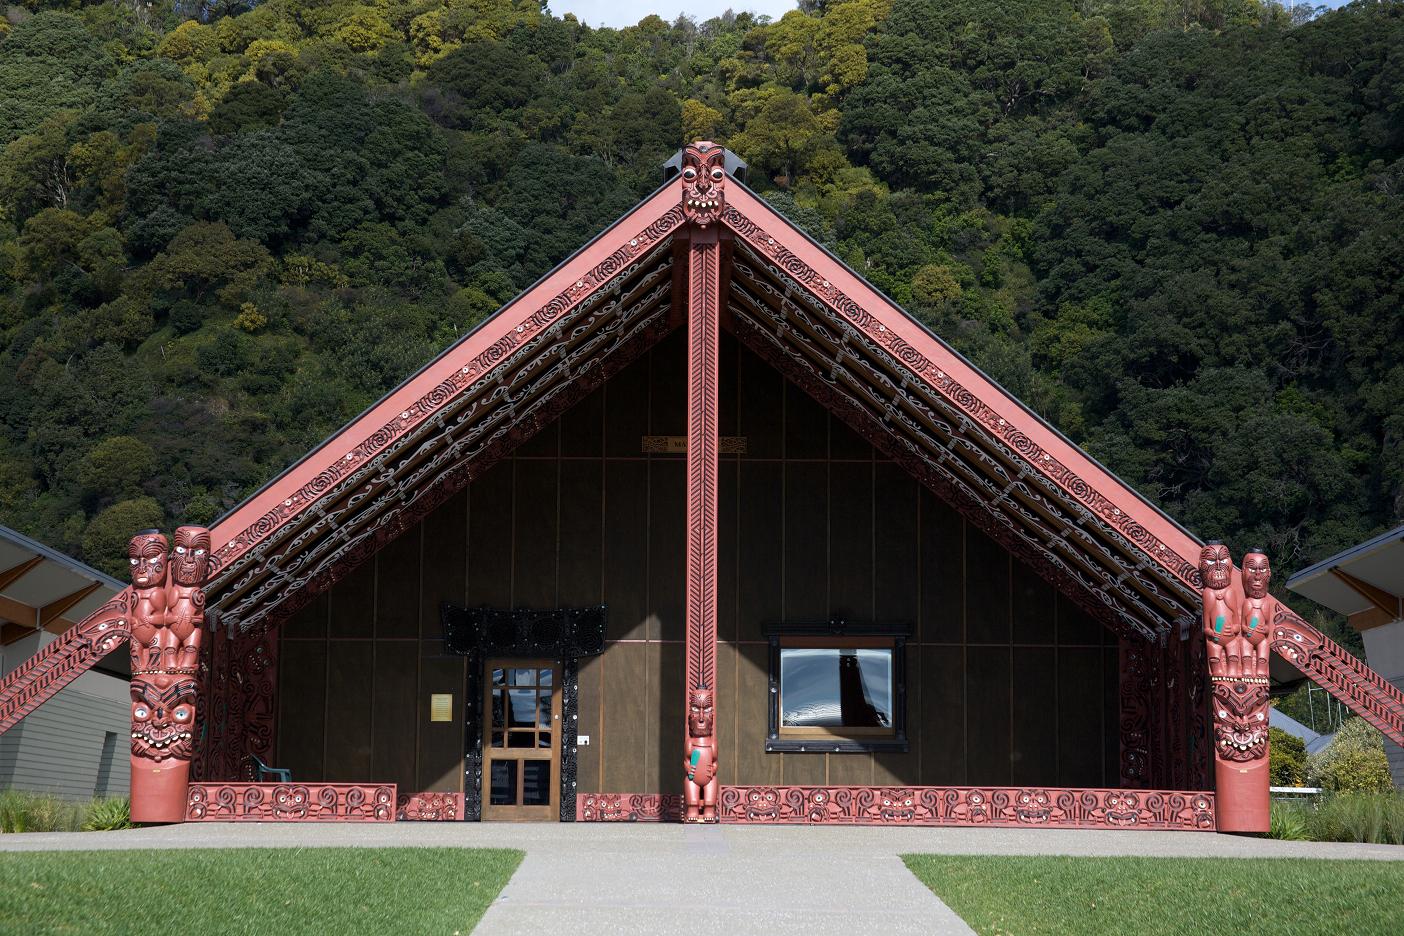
x=42 y=676
x=702 y=445
x=1360 y=688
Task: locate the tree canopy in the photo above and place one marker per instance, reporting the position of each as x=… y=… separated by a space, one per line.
x=1175 y=230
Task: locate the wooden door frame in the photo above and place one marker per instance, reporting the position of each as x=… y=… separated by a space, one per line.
x=551 y=811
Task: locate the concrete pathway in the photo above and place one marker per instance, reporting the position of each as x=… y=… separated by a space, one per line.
x=649 y=879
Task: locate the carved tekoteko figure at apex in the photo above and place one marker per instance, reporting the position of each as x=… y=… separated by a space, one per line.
x=700 y=788
x=1236 y=631
x=167 y=618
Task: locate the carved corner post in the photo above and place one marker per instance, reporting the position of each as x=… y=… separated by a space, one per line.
x=703 y=175
x=1236 y=616
x=168 y=626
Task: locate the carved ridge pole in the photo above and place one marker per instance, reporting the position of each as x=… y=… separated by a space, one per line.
x=703 y=173
x=1237 y=615
x=167 y=617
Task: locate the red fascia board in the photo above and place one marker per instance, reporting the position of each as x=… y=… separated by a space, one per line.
x=284 y=498
x=1136 y=508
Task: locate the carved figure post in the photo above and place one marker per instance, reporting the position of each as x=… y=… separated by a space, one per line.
x=703 y=173
x=167 y=623
x=1235 y=630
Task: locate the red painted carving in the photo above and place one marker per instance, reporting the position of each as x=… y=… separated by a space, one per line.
x=913 y=348
x=242 y=702
x=40 y=677
x=429 y=807
x=438 y=385
x=291 y=802
x=628 y=807
x=964 y=806
x=703 y=178
x=167 y=619
x=1239 y=699
x=700 y=765
x=1339 y=672
x=1135 y=715
x=703 y=341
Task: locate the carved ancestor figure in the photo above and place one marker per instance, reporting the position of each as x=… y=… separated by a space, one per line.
x=1220 y=606
x=167 y=622
x=1235 y=630
x=700 y=764
x=1256 y=614
x=703 y=171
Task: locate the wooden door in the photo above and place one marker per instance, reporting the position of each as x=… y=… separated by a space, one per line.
x=522 y=741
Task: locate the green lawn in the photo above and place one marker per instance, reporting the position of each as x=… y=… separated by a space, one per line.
x=1000 y=895
x=262 y=891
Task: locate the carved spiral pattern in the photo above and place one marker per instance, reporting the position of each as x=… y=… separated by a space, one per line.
x=280 y=802
x=959 y=806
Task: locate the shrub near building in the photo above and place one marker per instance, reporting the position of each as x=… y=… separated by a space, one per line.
x=1354 y=762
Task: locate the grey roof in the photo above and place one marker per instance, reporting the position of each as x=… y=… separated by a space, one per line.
x=1378 y=561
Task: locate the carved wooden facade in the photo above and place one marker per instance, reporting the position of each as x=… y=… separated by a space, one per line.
x=705 y=254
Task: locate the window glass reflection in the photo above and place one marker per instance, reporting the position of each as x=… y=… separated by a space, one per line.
x=823 y=687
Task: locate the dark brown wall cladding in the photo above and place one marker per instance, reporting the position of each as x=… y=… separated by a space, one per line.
x=1008 y=682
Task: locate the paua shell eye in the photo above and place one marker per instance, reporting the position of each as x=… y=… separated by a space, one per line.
x=717 y=174
x=689 y=173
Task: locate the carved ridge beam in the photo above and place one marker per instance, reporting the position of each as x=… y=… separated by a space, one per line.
x=896 y=398
x=441 y=464
x=577 y=279
x=795 y=255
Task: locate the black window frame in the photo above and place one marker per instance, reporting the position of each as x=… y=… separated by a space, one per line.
x=883 y=635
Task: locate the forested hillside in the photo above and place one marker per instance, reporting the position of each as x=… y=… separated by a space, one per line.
x=1174 y=228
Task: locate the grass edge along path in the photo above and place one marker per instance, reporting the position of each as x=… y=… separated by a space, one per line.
x=1002 y=895
x=252 y=890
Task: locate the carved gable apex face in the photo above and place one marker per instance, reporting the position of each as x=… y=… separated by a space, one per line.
x=703 y=175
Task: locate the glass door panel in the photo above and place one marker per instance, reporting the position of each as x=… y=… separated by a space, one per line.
x=521 y=745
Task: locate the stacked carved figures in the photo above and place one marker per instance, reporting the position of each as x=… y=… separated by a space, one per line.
x=1236 y=623
x=167 y=616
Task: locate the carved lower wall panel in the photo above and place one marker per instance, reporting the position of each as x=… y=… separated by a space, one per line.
x=969 y=806
x=429 y=807
x=291 y=802
x=628 y=807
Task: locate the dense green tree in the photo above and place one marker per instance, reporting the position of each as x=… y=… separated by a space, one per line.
x=1174 y=229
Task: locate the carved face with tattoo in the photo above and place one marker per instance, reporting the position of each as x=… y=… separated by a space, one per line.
x=703 y=171
x=190 y=560
x=699 y=713
x=163 y=718
x=146 y=554
x=1257 y=572
x=1215 y=566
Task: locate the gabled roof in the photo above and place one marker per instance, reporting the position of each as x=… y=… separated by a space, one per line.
x=42 y=589
x=790 y=301
x=1365 y=576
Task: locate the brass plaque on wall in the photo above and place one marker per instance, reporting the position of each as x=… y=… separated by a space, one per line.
x=441 y=706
